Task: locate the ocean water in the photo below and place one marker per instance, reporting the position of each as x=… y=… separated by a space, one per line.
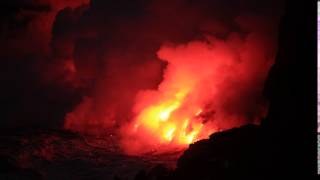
x=58 y=155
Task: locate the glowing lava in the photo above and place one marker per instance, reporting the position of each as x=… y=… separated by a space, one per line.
x=202 y=91
x=160 y=119
x=171 y=116
x=206 y=86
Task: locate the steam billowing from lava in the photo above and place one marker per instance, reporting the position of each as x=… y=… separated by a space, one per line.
x=207 y=85
x=162 y=73
x=167 y=85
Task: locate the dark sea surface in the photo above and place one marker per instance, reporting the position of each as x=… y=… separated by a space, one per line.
x=60 y=155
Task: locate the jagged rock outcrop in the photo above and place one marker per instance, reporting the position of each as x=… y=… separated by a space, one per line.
x=228 y=154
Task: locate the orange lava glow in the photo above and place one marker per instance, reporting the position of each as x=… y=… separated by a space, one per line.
x=160 y=119
x=206 y=86
x=202 y=92
x=166 y=123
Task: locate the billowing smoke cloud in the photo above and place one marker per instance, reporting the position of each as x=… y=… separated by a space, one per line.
x=32 y=99
x=208 y=85
x=220 y=57
x=27 y=25
x=124 y=56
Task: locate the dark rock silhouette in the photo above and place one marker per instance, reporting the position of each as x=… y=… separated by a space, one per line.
x=288 y=123
x=227 y=154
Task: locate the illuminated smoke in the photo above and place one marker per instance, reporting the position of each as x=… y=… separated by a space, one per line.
x=160 y=73
x=208 y=85
x=168 y=78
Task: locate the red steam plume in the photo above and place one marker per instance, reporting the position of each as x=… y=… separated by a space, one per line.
x=161 y=73
x=208 y=85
